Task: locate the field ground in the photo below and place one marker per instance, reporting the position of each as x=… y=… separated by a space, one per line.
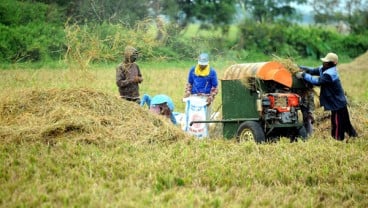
x=67 y=140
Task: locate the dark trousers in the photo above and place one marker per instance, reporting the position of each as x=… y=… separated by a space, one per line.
x=341 y=124
x=307 y=120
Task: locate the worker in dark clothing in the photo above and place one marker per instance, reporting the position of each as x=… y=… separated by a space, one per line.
x=332 y=95
x=128 y=76
x=307 y=109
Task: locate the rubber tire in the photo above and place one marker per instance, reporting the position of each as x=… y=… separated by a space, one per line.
x=250 y=130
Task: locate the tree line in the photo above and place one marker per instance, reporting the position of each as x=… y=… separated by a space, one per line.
x=219 y=13
x=37 y=30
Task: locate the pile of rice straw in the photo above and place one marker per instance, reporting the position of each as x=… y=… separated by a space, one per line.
x=80 y=115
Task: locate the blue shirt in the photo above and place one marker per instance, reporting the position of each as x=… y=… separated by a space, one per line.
x=202 y=84
x=332 y=95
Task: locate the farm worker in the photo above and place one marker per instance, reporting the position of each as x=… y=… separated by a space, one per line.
x=160 y=104
x=307 y=108
x=128 y=76
x=332 y=96
x=202 y=80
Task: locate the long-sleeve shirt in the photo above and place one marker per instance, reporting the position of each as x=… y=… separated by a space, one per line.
x=332 y=95
x=202 y=84
x=125 y=75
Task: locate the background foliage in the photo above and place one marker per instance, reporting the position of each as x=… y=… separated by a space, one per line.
x=87 y=32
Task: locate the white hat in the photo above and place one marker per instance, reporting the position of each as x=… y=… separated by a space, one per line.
x=203 y=59
x=331 y=57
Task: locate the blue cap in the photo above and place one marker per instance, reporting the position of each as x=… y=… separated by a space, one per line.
x=159 y=99
x=203 y=59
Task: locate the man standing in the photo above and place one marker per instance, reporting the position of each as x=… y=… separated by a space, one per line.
x=332 y=95
x=201 y=88
x=202 y=80
x=128 y=76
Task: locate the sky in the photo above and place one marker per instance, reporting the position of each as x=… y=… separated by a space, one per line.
x=304 y=8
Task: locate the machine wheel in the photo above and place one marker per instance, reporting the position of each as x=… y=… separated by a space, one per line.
x=250 y=130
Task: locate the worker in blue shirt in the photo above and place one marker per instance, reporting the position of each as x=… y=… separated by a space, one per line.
x=332 y=95
x=160 y=104
x=202 y=80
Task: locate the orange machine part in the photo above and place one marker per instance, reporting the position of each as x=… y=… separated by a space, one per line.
x=276 y=72
x=264 y=70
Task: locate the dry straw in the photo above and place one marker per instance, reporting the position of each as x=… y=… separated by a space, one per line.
x=241 y=72
x=288 y=63
x=80 y=115
x=86 y=45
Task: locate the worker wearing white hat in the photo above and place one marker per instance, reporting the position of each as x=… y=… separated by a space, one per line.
x=332 y=96
x=202 y=79
x=200 y=92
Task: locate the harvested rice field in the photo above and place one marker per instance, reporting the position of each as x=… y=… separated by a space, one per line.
x=68 y=140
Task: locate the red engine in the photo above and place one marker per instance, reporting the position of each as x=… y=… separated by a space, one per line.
x=283 y=101
x=281 y=107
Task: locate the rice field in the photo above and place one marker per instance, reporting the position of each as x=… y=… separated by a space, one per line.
x=67 y=140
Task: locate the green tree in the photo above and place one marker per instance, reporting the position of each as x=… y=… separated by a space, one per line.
x=209 y=13
x=126 y=12
x=325 y=10
x=353 y=12
x=270 y=10
x=30 y=31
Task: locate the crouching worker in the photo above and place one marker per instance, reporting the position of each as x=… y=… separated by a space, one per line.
x=161 y=105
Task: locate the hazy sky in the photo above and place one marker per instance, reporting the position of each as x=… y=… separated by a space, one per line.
x=303 y=7
x=308 y=8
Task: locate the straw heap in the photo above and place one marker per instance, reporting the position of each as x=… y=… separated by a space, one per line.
x=81 y=115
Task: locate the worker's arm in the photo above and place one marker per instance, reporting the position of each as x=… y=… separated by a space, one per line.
x=310 y=70
x=318 y=81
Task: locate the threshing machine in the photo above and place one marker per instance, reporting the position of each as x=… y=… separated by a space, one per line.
x=261 y=102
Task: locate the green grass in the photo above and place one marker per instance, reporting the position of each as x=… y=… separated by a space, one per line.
x=199 y=173
x=194 y=30
x=210 y=173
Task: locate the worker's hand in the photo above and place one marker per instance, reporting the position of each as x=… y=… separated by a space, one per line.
x=209 y=100
x=187 y=94
x=299 y=75
x=137 y=79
